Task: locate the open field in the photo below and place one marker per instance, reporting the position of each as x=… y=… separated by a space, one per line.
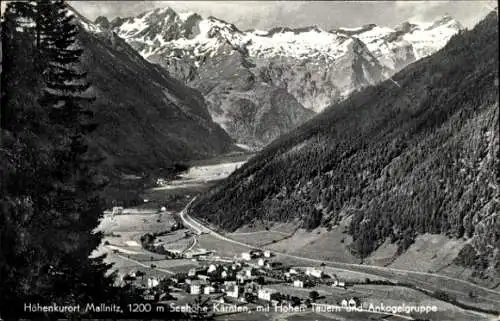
x=207 y=241
x=347 y=276
x=259 y=238
x=137 y=223
x=277 y=227
x=197 y=179
x=429 y=253
x=123 y=248
x=320 y=244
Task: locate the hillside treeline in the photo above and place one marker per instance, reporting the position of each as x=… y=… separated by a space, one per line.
x=50 y=183
x=415 y=154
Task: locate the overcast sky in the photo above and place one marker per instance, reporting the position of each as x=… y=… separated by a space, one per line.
x=325 y=14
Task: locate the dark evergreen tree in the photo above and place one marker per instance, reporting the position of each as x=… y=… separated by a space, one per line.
x=50 y=200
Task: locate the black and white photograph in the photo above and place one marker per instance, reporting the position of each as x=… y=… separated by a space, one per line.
x=250 y=160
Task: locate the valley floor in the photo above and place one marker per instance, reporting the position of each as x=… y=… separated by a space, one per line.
x=295 y=248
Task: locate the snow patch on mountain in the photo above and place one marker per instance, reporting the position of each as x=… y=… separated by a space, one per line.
x=304 y=45
x=242 y=73
x=394 y=48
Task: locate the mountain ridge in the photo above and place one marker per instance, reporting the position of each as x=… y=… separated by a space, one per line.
x=315 y=67
x=148 y=119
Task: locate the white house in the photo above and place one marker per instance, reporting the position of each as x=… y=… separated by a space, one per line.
x=246 y=256
x=314 y=272
x=265 y=294
x=223 y=274
x=298 y=283
x=338 y=284
x=195 y=287
x=152 y=282
x=208 y=290
x=212 y=268
x=262 y=262
x=163 y=209
x=293 y=271
x=267 y=253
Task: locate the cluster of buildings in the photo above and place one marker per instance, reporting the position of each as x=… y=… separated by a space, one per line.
x=239 y=280
x=246 y=280
x=247 y=276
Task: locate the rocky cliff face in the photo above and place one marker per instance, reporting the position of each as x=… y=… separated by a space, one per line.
x=309 y=66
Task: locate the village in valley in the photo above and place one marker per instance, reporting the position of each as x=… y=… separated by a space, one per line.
x=181 y=264
x=181 y=274
x=254 y=281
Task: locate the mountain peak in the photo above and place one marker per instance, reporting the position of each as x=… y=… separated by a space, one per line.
x=296 y=31
x=447 y=21
x=199 y=48
x=222 y=23
x=84 y=22
x=445 y=18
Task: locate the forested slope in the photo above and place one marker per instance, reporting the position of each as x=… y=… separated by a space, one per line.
x=147 y=119
x=415 y=155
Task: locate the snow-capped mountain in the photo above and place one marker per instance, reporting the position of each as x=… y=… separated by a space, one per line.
x=399 y=46
x=240 y=73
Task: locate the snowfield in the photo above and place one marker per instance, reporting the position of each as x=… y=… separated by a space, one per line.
x=209 y=34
